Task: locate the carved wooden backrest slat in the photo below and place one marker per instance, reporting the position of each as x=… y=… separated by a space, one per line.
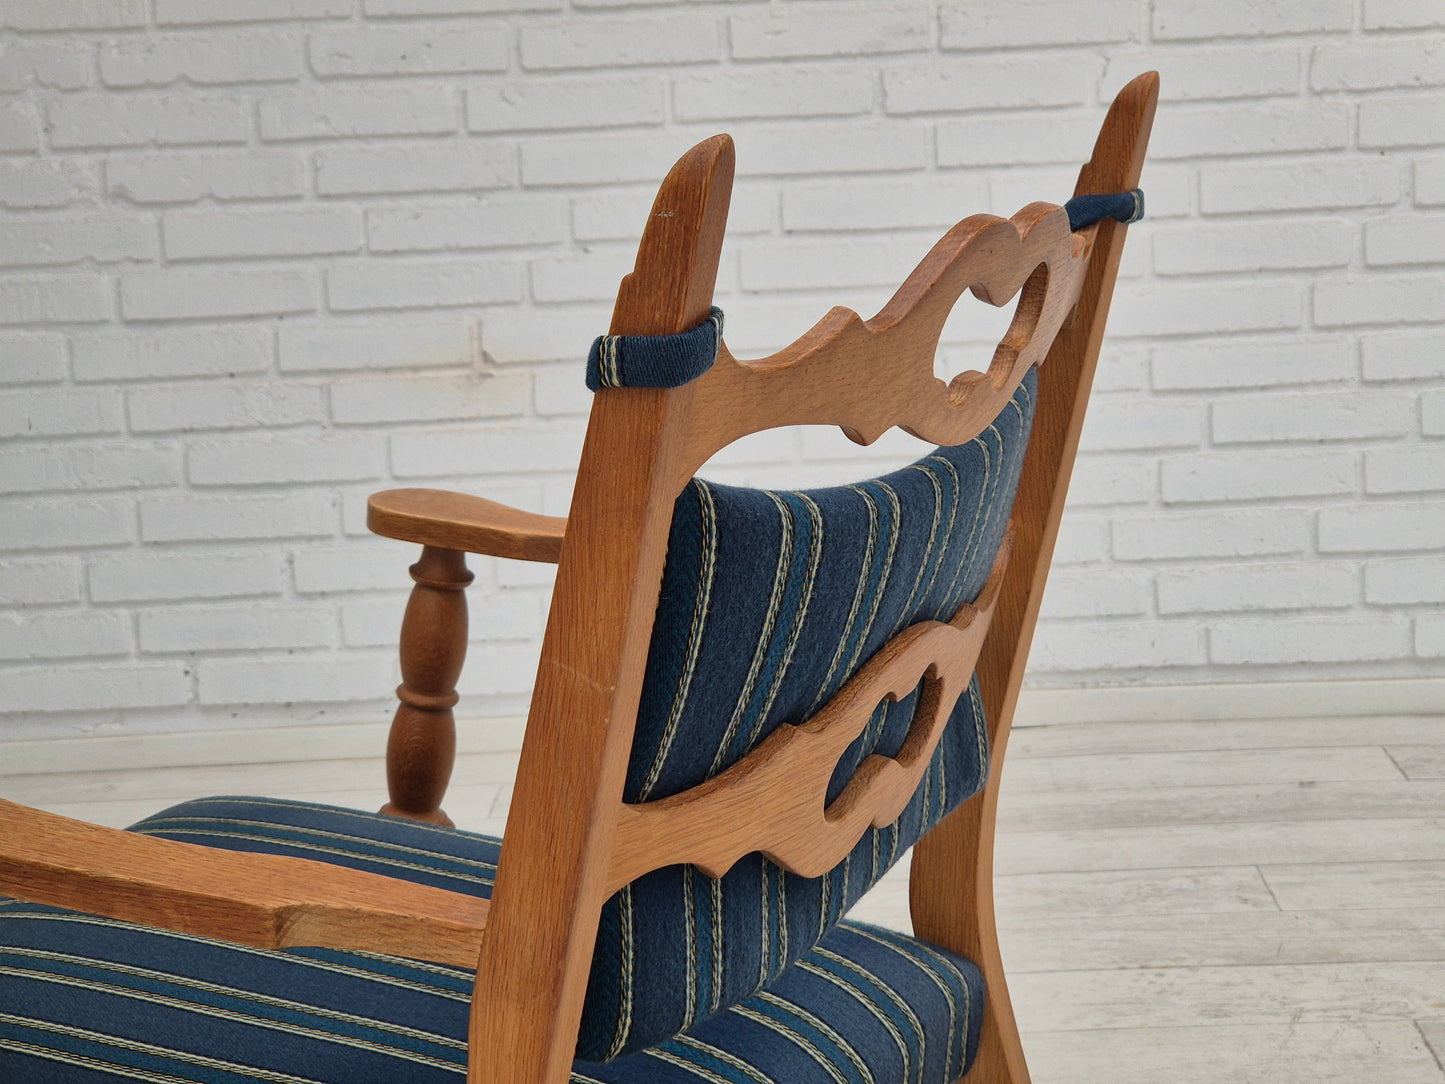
x=831 y=375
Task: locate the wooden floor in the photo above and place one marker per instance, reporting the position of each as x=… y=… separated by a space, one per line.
x=1180 y=902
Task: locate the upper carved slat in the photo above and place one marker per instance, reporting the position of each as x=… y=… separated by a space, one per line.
x=774 y=799
x=823 y=378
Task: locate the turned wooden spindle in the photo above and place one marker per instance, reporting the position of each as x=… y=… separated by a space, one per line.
x=423 y=738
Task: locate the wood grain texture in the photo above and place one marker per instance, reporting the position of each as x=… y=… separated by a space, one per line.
x=830 y=375
x=952 y=874
x=423 y=740
x=422 y=744
x=774 y=799
x=267 y=901
x=457 y=521
x=552 y=877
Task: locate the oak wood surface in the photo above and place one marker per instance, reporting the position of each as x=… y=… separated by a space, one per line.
x=552 y=877
x=267 y=901
x=952 y=876
x=830 y=375
x=422 y=744
x=459 y=521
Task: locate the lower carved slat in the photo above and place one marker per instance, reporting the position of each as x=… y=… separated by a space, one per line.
x=776 y=795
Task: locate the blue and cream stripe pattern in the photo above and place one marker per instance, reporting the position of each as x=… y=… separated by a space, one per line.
x=770 y=601
x=85 y=1000
x=89 y=1000
x=865 y=1006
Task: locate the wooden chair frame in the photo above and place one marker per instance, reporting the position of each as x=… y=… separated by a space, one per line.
x=570 y=840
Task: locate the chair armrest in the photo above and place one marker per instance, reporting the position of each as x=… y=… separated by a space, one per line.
x=263 y=900
x=457 y=521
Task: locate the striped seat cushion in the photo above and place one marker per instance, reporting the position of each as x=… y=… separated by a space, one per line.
x=770 y=601
x=86 y=999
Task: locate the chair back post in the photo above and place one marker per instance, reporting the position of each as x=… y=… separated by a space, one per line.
x=951 y=890
x=552 y=876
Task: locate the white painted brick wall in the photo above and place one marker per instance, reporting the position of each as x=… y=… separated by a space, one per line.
x=1319 y=638
x=187 y=293
x=1405 y=580
x=261 y=258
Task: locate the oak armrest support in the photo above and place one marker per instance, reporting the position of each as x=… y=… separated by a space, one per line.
x=458 y=521
x=264 y=900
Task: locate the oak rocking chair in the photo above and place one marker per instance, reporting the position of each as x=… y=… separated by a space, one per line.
x=749 y=704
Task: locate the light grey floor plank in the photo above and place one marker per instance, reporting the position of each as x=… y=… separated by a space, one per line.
x=1182 y=996
x=1175 y=918
x=1086 y=808
x=1433 y=1032
x=1391 y=840
x=1110 y=771
x=1329 y=1053
x=1420 y=761
x=1345 y=886
x=1066 y=739
x=1379 y=939
x=1209 y=891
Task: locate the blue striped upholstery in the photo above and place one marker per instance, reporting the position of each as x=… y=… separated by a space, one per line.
x=769 y=603
x=864 y=1006
x=86 y=999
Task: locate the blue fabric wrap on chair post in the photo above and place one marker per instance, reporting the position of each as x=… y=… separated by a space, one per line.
x=654 y=361
x=1123 y=207
x=769 y=602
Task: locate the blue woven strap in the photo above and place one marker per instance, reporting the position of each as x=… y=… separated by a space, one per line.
x=654 y=361
x=1124 y=207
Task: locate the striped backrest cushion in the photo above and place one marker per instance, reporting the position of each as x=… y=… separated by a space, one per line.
x=770 y=601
